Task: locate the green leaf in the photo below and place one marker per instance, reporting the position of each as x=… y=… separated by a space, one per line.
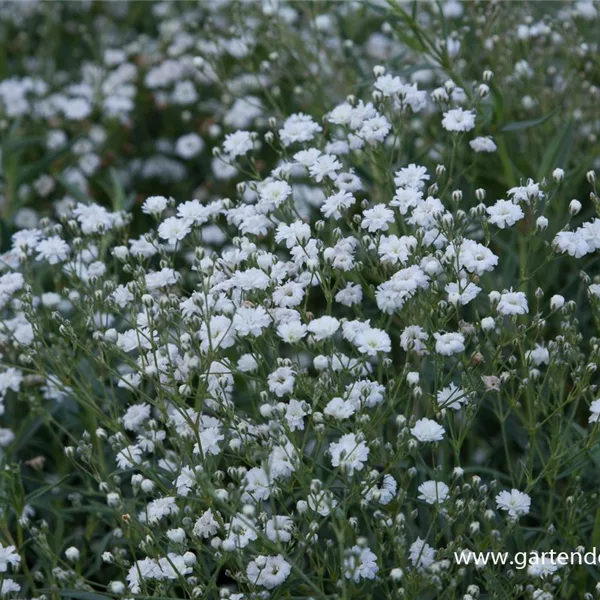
x=442 y=19
x=558 y=150
x=31 y=172
x=44 y=489
x=520 y=125
x=498 y=97
x=116 y=194
x=16 y=143
x=79 y=595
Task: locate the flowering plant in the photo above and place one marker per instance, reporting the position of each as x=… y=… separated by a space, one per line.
x=368 y=356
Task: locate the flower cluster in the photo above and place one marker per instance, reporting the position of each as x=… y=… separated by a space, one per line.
x=365 y=358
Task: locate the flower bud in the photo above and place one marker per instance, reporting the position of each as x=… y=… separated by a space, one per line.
x=72 y=554
x=574 y=207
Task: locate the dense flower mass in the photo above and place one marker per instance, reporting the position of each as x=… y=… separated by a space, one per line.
x=293 y=308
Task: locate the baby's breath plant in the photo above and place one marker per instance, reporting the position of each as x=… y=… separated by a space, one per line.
x=296 y=308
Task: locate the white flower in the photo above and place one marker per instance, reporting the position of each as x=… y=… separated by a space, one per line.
x=298 y=128
x=516 y=503
x=375 y=129
x=257 y=485
x=279 y=528
x=294 y=415
x=427 y=430
x=193 y=213
x=206 y=526
x=249 y=321
x=292 y=332
x=513 y=303
x=348 y=453
x=365 y=393
x=308 y=157
x=6 y=437
x=505 y=213
x=274 y=193
x=238 y=143
x=129 y=456
x=288 y=295
x=389 y=85
x=377 y=218
x=217 y=333
x=383 y=493
x=433 y=492
x=321 y=502
x=394 y=249
x=595 y=411
x=350 y=295
x=412 y=339
x=293 y=234
x=339 y=409
x=8 y=586
x=422 y=555
x=158 y=509
x=360 y=563
x=209 y=442
x=448 y=344
x=541 y=566
x=325 y=165
x=372 y=341
x=462 y=292
x=136 y=416
x=585 y=9
x=188 y=146
x=8 y=556
x=174 y=229
x=451 y=397
x=458 y=119
x=472 y=256
x=341 y=114
x=538 y=356
x=407 y=198
x=335 y=205
x=323 y=327
x=247 y=363
x=525 y=193
x=413 y=176
x=240 y=533
x=483 y=144
x=281 y=381
x=572 y=243
x=53 y=249
x=488 y=323
x=268 y=571
x=10 y=379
